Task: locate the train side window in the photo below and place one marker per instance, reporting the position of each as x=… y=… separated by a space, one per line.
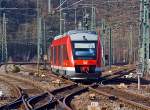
x=55 y=55
x=59 y=55
x=51 y=57
x=65 y=52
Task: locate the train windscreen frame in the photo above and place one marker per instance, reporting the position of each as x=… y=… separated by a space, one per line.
x=84 y=50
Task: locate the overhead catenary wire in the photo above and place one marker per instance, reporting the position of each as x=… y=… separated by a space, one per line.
x=58 y=8
x=61 y=4
x=17 y=8
x=76 y=3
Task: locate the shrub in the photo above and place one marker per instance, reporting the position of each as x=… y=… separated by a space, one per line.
x=16 y=69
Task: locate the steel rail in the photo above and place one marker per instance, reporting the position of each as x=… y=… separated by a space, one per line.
x=55 y=91
x=68 y=98
x=23 y=63
x=116 y=74
x=55 y=100
x=121 y=98
x=36 y=99
x=64 y=101
x=23 y=97
x=24 y=100
x=17 y=103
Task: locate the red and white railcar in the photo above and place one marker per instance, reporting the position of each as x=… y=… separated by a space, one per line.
x=76 y=55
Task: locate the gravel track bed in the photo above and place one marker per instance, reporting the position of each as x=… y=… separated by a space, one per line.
x=8 y=93
x=83 y=101
x=49 y=80
x=144 y=89
x=46 y=82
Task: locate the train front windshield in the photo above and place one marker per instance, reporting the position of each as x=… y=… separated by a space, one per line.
x=84 y=50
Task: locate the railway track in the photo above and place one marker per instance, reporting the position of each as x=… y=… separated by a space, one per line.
x=49 y=76
x=115 y=75
x=9 y=92
x=118 y=95
x=17 y=92
x=137 y=100
x=67 y=93
x=24 y=88
x=62 y=97
x=59 y=98
x=28 y=98
x=42 y=102
x=127 y=97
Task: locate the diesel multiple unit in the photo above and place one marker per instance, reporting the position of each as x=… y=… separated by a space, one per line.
x=76 y=55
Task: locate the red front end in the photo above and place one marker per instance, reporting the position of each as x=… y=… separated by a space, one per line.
x=78 y=59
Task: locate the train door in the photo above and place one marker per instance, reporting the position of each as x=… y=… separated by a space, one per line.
x=51 y=56
x=55 y=60
x=59 y=59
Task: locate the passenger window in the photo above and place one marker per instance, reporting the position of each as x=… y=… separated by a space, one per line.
x=59 y=55
x=55 y=54
x=65 y=54
x=51 y=55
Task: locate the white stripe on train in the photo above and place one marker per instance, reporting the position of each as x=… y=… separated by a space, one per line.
x=63 y=68
x=72 y=68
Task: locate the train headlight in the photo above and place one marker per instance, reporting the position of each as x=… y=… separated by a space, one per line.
x=66 y=64
x=110 y=71
x=85 y=62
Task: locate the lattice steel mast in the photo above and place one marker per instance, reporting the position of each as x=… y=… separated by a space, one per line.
x=39 y=37
x=93 y=17
x=144 y=36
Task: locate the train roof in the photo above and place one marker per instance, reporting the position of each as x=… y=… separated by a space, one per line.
x=79 y=35
x=80 y=31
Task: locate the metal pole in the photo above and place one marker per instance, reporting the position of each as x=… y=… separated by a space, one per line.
x=144 y=36
x=49 y=6
x=39 y=35
x=5 y=56
x=75 y=20
x=139 y=81
x=60 y=18
x=147 y=27
x=130 y=46
x=93 y=22
x=140 y=51
x=5 y=36
x=38 y=59
x=45 y=46
x=110 y=47
x=1 y=40
x=64 y=22
x=93 y=17
x=39 y=40
x=145 y=42
x=103 y=41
